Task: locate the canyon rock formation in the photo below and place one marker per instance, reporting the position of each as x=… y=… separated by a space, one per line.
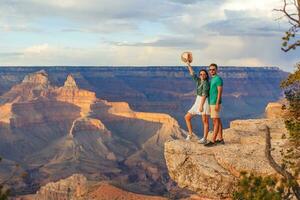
x=211 y=172
x=53 y=132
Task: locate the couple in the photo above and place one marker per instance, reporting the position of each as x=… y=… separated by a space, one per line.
x=208 y=102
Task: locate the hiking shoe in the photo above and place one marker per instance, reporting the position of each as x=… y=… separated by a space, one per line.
x=220 y=141
x=188 y=138
x=210 y=144
x=203 y=141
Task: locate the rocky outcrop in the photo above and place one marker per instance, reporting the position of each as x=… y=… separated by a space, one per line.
x=35 y=93
x=105 y=191
x=211 y=172
x=77 y=187
x=72 y=94
x=71 y=188
x=33 y=86
x=70 y=82
x=274 y=110
x=39 y=79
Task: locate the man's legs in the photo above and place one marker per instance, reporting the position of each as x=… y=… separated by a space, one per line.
x=220 y=131
x=216 y=122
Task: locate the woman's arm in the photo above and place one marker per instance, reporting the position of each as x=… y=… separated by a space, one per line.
x=204 y=95
x=190 y=68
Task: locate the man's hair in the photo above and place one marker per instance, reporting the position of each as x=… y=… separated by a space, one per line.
x=214 y=65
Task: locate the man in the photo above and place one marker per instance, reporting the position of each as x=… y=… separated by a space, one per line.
x=215 y=101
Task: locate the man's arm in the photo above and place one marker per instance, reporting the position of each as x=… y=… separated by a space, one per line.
x=220 y=90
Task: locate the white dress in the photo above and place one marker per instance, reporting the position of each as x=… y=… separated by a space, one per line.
x=195 y=108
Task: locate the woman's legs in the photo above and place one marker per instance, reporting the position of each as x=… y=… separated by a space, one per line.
x=188 y=117
x=205 y=122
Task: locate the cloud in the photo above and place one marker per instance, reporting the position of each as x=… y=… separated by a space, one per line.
x=86 y=14
x=241 y=23
x=168 y=41
x=10 y=54
x=107 y=26
x=37 y=49
x=187 y=2
x=19 y=28
x=141 y=32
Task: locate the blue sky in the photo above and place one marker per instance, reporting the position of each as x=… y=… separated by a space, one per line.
x=142 y=32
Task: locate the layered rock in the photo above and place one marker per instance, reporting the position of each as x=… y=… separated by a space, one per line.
x=211 y=172
x=39 y=78
x=77 y=187
x=105 y=191
x=70 y=82
x=71 y=188
x=72 y=94
x=123 y=109
x=33 y=86
x=274 y=110
x=5 y=113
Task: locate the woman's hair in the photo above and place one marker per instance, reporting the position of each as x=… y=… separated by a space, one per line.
x=204 y=70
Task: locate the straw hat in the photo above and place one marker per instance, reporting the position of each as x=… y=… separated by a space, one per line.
x=187 y=56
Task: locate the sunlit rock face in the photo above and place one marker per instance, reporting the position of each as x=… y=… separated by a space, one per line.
x=77 y=187
x=211 y=172
x=70 y=188
x=72 y=94
x=275 y=110
x=58 y=131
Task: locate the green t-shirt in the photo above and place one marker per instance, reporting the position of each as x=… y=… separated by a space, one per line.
x=215 y=82
x=202 y=86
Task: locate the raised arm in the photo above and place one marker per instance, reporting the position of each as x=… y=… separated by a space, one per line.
x=190 y=68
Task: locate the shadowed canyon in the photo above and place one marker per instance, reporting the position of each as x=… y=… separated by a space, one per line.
x=110 y=124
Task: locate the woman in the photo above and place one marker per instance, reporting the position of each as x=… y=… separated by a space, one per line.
x=201 y=106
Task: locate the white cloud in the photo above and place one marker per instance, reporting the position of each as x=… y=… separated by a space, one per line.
x=37 y=49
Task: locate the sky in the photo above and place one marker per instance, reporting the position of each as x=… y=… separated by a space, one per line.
x=142 y=33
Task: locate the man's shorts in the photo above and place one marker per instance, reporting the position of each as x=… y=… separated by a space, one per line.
x=213 y=112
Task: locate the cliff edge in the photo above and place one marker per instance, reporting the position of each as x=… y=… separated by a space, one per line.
x=211 y=172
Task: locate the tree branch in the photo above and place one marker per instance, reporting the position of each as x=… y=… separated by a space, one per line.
x=291 y=46
x=276 y=167
x=283 y=10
